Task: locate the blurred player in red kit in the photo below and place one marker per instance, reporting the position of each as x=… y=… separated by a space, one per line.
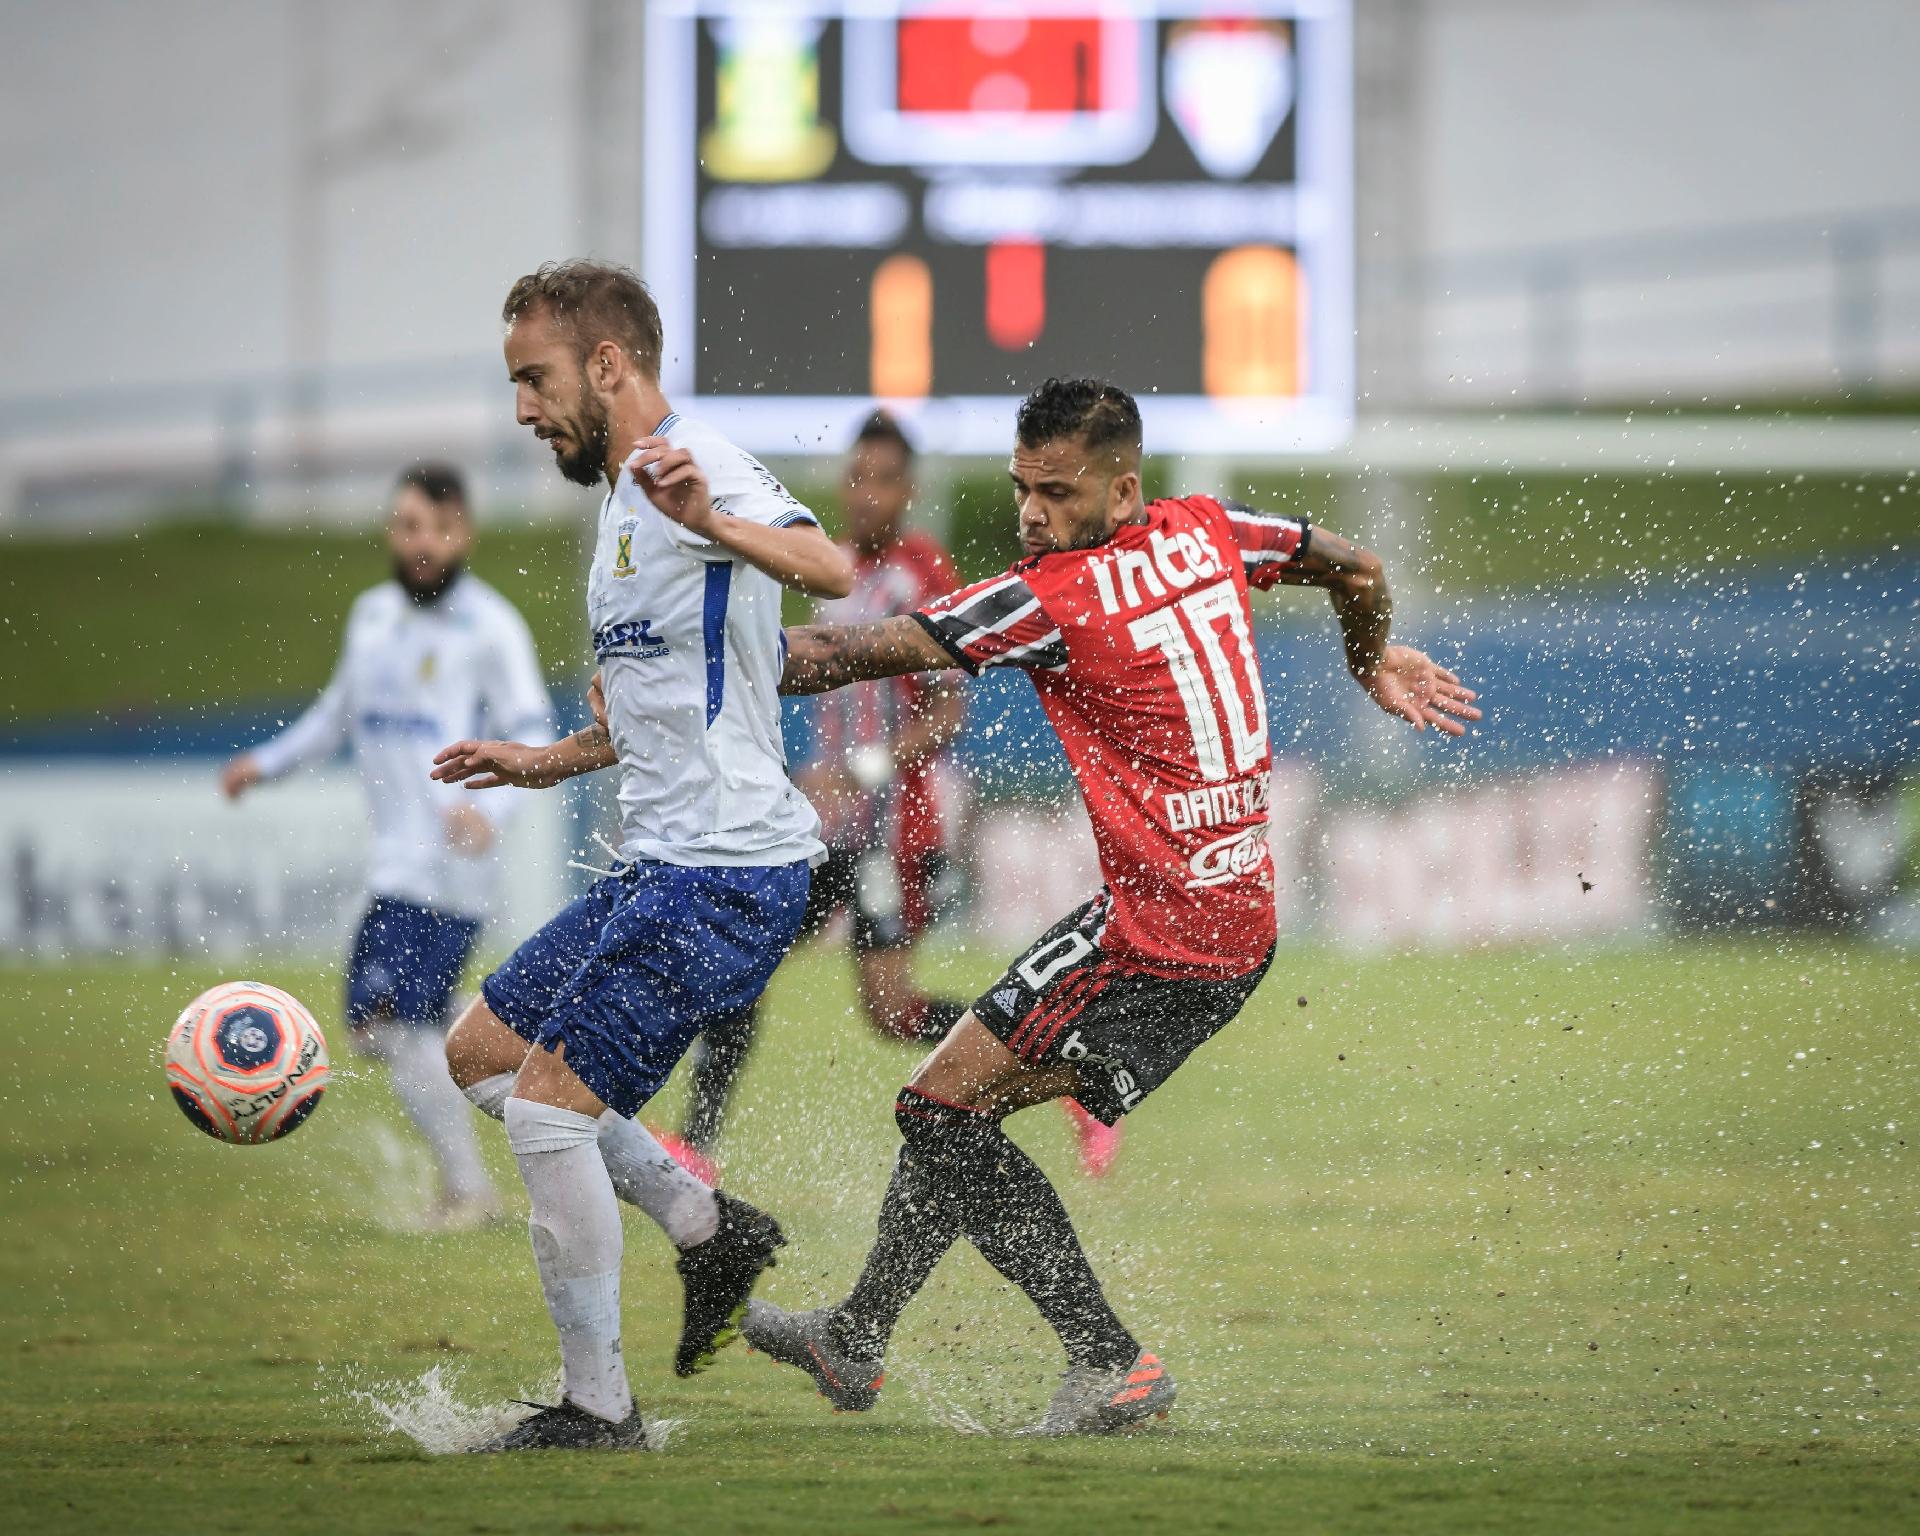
x=873 y=781
x=1133 y=621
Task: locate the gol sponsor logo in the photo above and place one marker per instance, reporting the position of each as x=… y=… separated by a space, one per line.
x=1228 y=858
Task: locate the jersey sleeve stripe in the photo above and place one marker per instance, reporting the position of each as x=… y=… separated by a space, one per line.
x=1049 y=652
x=932 y=624
x=1268 y=540
x=788 y=518
x=997 y=623
x=996 y=605
x=1016 y=628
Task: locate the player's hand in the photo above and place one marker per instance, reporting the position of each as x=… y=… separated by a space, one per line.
x=1418 y=690
x=469 y=834
x=675 y=485
x=597 y=701
x=498 y=765
x=238 y=776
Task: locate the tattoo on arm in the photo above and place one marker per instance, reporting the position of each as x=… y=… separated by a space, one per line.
x=1357 y=585
x=586 y=751
x=825 y=656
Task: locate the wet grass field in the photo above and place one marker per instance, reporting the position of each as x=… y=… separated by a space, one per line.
x=1607 y=1240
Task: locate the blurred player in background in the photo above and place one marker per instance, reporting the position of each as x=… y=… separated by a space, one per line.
x=427 y=655
x=1133 y=621
x=590 y=1014
x=872 y=779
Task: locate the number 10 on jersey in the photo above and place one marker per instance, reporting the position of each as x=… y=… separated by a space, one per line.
x=1235 y=708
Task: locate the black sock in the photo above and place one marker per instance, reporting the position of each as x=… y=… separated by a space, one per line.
x=917 y=1225
x=718 y=1056
x=938 y=1015
x=1007 y=1209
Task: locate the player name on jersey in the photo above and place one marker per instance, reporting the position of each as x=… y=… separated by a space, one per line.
x=1218 y=805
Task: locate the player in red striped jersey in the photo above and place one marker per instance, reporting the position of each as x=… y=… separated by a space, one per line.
x=1133 y=621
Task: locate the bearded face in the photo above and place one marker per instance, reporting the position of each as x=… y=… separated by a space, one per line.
x=580 y=446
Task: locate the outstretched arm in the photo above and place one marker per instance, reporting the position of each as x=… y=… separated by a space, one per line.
x=1357 y=584
x=1400 y=679
x=825 y=656
x=499 y=764
x=316 y=735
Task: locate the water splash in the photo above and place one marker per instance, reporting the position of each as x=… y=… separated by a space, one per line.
x=430 y=1412
x=939 y=1402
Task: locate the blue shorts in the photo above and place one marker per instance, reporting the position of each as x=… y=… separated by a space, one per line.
x=629 y=973
x=406 y=961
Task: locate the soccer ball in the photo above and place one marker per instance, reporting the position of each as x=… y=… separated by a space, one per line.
x=246 y=1062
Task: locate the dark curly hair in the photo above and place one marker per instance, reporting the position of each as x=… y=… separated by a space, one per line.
x=1099 y=415
x=593 y=301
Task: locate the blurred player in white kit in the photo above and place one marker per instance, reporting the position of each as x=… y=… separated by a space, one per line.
x=434 y=652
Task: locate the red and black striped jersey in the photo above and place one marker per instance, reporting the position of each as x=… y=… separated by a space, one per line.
x=1141 y=650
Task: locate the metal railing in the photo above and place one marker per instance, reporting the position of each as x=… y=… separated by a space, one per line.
x=1800 y=309
x=1808 y=307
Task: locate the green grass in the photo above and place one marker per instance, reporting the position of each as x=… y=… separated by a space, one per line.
x=1612 y=1241
x=192 y=615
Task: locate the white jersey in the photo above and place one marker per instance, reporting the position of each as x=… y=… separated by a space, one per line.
x=690 y=653
x=411 y=679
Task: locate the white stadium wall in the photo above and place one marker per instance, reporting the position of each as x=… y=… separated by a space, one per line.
x=1563 y=855
x=142 y=859
x=1644 y=201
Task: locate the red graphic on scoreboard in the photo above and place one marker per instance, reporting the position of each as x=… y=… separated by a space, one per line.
x=1016 y=293
x=1005 y=64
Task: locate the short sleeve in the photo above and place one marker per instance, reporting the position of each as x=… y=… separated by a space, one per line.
x=995 y=623
x=1268 y=544
x=741 y=487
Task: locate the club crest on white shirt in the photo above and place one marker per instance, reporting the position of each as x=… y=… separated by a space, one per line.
x=623 y=547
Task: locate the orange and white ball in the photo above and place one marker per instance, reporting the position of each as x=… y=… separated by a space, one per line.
x=246 y=1062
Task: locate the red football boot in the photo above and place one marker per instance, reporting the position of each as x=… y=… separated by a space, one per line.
x=688 y=1157
x=1099 y=1144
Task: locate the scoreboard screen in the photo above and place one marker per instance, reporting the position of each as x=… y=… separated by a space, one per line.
x=935 y=204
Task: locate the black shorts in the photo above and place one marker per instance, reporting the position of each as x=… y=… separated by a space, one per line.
x=889 y=909
x=1124 y=1031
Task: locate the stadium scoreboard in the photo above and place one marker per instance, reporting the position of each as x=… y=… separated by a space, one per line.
x=936 y=205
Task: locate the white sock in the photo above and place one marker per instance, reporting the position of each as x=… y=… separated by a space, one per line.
x=643 y=1172
x=575 y=1226
x=417 y=1064
x=490 y=1094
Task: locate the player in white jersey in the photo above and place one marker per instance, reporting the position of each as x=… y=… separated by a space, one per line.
x=695 y=541
x=426 y=654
